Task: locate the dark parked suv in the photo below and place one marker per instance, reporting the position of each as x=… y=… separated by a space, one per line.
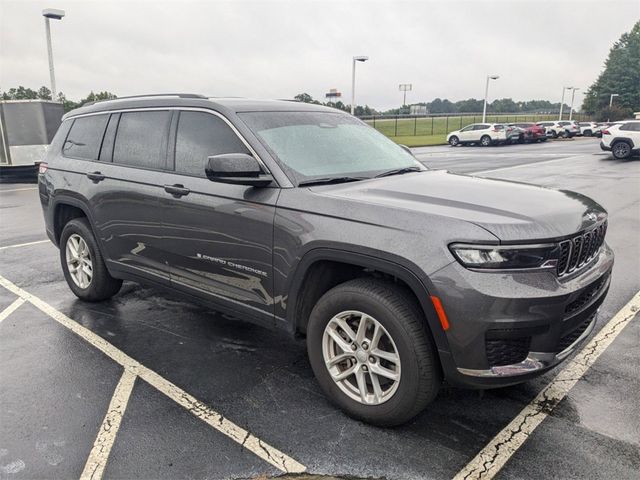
x=302 y=217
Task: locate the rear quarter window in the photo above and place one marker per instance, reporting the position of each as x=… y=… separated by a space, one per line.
x=85 y=137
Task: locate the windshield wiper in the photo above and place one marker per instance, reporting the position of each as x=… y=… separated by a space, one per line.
x=399 y=171
x=328 y=180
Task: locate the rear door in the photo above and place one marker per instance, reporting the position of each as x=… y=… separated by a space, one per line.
x=219 y=237
x=129 y=189
x=478 y=131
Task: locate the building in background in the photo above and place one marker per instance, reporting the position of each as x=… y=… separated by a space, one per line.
x=26 y=130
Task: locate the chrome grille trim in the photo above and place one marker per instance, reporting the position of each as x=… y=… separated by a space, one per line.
x=579 y=250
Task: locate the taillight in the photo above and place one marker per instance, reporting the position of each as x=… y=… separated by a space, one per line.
x=42 y=167
x=605 y=132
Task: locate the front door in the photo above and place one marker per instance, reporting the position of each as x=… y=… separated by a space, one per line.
x=218 y=237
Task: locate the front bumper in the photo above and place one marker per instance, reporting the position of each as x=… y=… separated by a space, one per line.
x=506 y=328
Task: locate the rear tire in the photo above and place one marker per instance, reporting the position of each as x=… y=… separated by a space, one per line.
x=587 y=133
x=454 y=141
x=83 y=265
x=621 y=150
x=383 y=304
x=485 y=140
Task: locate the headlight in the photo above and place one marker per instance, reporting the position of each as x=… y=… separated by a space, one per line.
x=506 y=257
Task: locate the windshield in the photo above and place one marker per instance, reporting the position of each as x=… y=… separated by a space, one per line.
x=320 y=145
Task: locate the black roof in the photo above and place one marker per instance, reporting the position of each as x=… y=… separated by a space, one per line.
x=223 y=105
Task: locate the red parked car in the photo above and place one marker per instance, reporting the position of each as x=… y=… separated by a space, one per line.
x=530 y=132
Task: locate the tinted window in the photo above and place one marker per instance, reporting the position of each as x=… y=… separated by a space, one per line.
x=141 y=140
x=633 y=127
x=85 y=137
x=481 y=127
x=467 y=128
x=106 y=151
x=498 y=127
x=201 y=135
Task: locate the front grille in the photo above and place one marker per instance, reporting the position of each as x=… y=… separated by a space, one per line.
x=586 y=296
x=507 y=351
x=570 y=338
x=579 y=250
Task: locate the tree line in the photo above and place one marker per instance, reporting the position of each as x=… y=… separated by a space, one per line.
x=621 y=76
x=43 y=93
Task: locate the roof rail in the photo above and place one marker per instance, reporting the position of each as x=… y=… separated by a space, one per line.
x=179 y=95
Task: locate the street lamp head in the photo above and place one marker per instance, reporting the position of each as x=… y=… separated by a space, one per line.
x=615 y=94
x=361 y=58
x=53 y=13
x=494 y=77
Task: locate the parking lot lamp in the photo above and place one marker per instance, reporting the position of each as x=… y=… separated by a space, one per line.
x=573 y=94
x=611 y=104
x=562 y=101
x=360 y=58
x=486 y=95
x=51 y=13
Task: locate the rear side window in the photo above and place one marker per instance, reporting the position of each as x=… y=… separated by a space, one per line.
x=141 y=139
x=481 y=127
x=85 y=137
x=498 y=127
x=199 y=136
x=633 y=127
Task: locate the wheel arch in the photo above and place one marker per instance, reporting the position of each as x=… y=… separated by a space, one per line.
x=66 y=207
x=320 y=269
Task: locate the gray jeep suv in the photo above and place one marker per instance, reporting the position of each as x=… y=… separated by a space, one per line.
x=304 y=218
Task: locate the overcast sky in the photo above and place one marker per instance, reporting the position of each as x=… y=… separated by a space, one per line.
x=276 y=49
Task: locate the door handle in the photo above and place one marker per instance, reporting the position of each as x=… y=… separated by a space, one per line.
x=177 y=190
x=95 y=177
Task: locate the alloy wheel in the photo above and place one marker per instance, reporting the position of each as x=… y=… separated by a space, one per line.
x=361 y=357
x=621 y=150
x=79 y=262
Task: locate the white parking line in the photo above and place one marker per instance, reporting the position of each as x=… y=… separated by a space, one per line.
x=97 y=461
x=513 y=167
x=263 y=450
x=19 y=189
x=499 y=450
x=11 y=308
x=24 y=244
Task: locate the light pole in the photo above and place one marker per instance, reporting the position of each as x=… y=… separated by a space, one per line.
x=486 y=94
x=573 y=94
x=360 y=58
x=56 y=14
x=611 y=104
x=562 y=101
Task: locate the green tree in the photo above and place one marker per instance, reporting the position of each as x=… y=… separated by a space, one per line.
x=44 y=93
x=621 y=75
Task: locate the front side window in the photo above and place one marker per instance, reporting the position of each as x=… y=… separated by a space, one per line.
x=201 y=135
x=481 y=127
x=85 y=137
x=141 y=139
x=467 y=128
x=315 y=145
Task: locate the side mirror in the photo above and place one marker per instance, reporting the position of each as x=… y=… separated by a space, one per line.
x=237 y=169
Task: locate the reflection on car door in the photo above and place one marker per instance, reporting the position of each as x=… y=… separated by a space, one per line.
x=126 y=210
x=219 y=237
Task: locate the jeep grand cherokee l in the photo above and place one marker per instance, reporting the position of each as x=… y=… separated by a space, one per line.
x=304 y=218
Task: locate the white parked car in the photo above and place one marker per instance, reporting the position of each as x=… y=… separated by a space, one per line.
x=589 y=129
x=563 y=128
x=622 y=139
x=484 y=134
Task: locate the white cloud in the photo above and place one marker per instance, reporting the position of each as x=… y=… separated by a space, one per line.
x=276 y=49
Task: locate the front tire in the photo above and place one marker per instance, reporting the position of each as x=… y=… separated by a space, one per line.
x=485 y=141
x=370 y=351
x=83 y=265
x=621 y=150
x=454 y=141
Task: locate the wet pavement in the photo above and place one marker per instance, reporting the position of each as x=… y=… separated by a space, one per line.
x=57 y=387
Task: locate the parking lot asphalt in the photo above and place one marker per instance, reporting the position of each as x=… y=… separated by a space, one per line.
x=219 y=398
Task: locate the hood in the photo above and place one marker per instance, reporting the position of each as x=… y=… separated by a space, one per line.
x=511 y=211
